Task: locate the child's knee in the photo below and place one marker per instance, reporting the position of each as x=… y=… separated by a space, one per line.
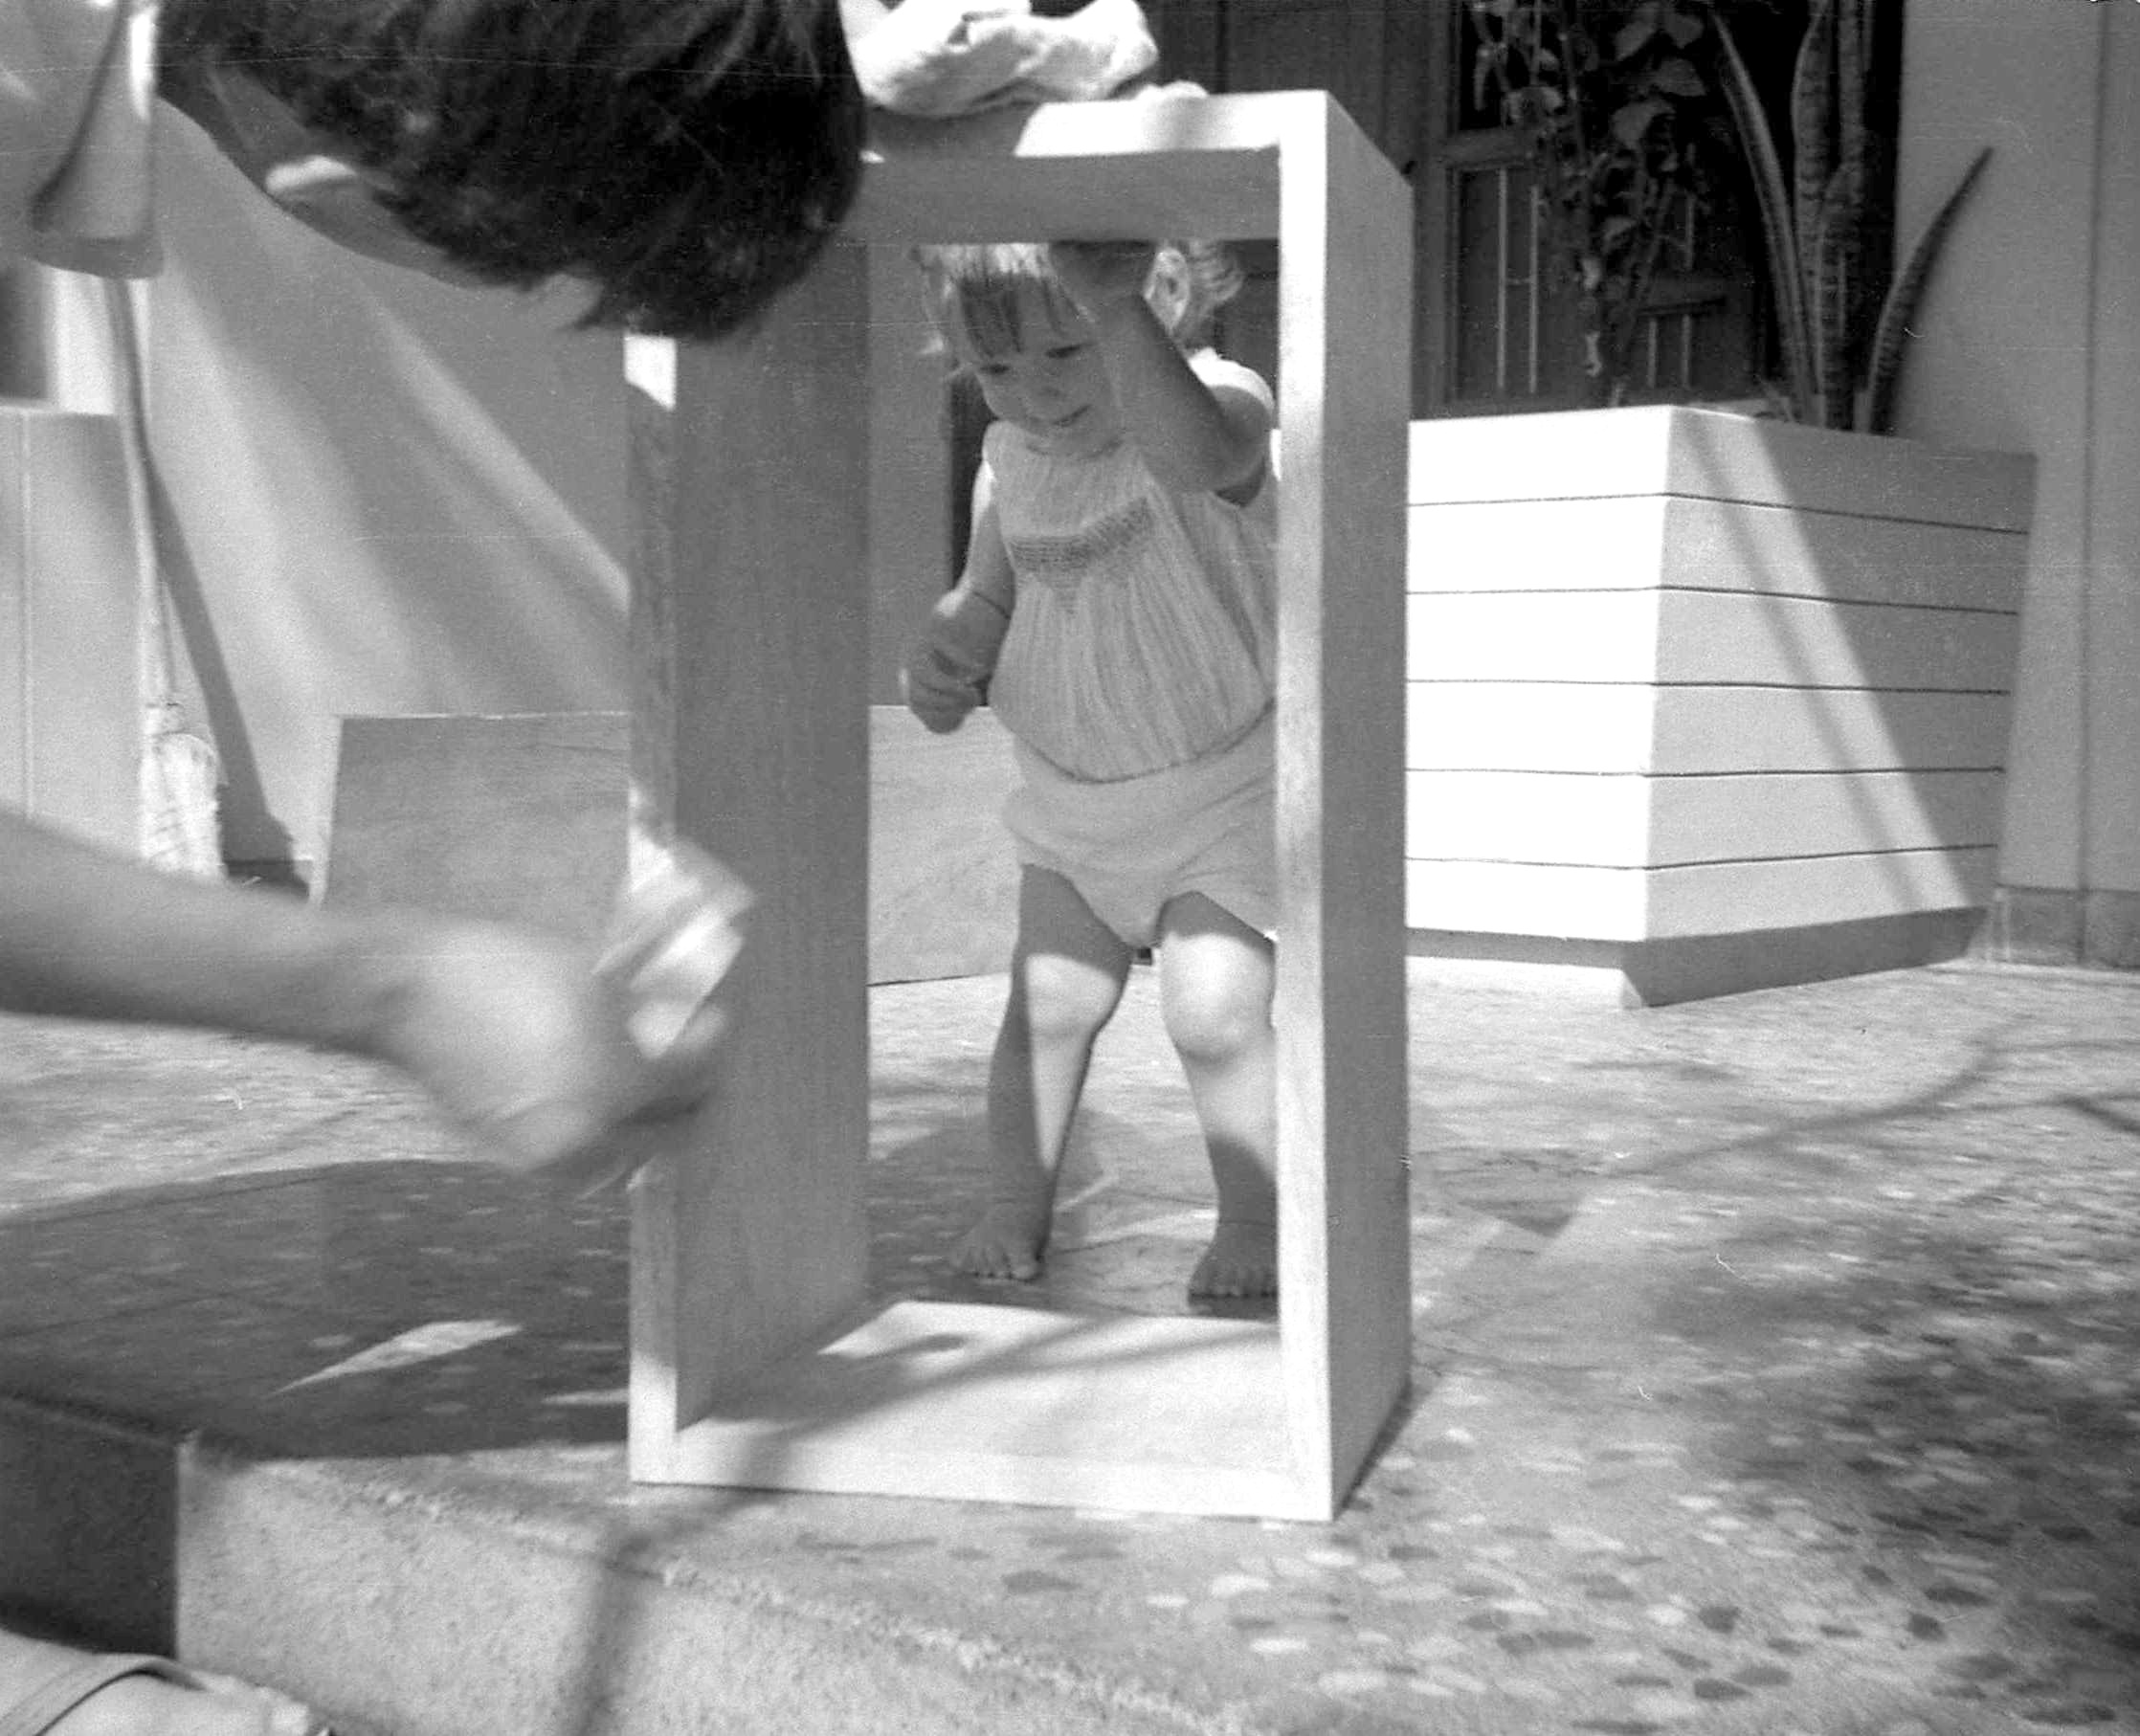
x=1215 y=1023
x=1064 y=1000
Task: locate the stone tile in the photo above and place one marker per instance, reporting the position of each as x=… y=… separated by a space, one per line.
x=1775 y=1360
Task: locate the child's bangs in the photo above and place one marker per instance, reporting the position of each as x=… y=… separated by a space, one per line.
x=991 y=295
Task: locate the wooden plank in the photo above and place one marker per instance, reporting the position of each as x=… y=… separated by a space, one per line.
x=1798 y=552
x=1203 y=165
x=75 y=625
x=1719 y=456
x=1595 y=728
x=756 y=1232
x=1786 y=815
x=1635 y=542
x=972 y=1402
x=518 y=819
x=1706 y=637
x=1792 y=641
x=1696 y=967
x=943 y=876
x=14 y=611
x=1343 y=1244
x=1716 y=454
x=1728 y=898
x=2110 y=745
x=1604 y=637
x=1528 y=897
x=1634 y=821
x=1829 y=729
x=1724 y=898
x=1530 y=726
x=910 y=558
x=751 y=1240
x=1527 y=816
x=1610 y=544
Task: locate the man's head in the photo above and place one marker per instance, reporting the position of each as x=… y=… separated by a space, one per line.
x=688 y=159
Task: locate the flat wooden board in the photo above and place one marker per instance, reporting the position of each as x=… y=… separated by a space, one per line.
x=1632 y=543
x=1717 y=455
x=1344 y=1248
x=1721 y=898
x=516 y=818
x=1706 y=638
x=969 y=1402
x=70 y=604
x=1633 y=821
x=1138 y=166
x=750 y=1240
x=1603 y=727
x=942 y=876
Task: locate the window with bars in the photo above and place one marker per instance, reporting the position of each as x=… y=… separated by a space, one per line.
x=1510 y=331
x=1507 y=327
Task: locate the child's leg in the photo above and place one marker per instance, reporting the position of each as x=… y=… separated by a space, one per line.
x=1216 y=978
x=1066 y=979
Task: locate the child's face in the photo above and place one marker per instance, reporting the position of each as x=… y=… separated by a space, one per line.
x=1045 y=376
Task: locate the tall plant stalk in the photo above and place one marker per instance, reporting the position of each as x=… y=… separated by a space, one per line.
x=1842 y=331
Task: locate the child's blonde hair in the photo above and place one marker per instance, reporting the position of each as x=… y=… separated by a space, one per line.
x=982 y=287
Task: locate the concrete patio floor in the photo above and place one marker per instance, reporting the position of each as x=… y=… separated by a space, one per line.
x=1777 y=1371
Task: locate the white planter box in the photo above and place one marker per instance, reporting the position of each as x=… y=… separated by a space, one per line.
x=1703 y=700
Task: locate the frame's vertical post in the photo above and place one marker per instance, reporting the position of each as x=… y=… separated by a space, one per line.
x=751 y=634
x=1344 y=308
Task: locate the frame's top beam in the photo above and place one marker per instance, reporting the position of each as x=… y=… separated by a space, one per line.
x=1150 y=166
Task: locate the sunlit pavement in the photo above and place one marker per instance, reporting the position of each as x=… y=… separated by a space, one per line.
x=1777 y=1371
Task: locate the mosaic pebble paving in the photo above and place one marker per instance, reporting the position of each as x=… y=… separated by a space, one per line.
x=1776 y=1356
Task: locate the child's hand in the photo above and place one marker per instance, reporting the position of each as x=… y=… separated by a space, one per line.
x=936 y=689
x=1098 y=273
x=946 y=668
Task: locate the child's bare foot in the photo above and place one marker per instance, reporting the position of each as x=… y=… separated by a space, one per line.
x=1242 y=1261
x=1008 y=1243
x=153 y=1706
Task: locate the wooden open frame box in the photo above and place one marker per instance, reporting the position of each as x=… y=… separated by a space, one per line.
x=757 y=1358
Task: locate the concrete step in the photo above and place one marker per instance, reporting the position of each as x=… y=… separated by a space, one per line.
x=437 y=1600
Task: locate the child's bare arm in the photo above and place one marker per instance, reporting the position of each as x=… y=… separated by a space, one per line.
x=951 y=661
x=1192 y=436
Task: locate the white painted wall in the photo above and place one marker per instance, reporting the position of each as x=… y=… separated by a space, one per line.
x=2030 y=340
x=381 y=495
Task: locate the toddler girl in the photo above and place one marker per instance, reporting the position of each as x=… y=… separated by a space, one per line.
x=1117 y=604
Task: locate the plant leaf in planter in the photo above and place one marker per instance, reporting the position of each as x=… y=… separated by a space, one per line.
x=1892 y=336
x=1843 y=340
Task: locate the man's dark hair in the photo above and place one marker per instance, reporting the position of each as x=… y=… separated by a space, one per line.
x=688 y=158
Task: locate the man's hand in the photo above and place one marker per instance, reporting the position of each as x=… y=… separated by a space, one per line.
x=568 y=1069
x=525 y=1045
